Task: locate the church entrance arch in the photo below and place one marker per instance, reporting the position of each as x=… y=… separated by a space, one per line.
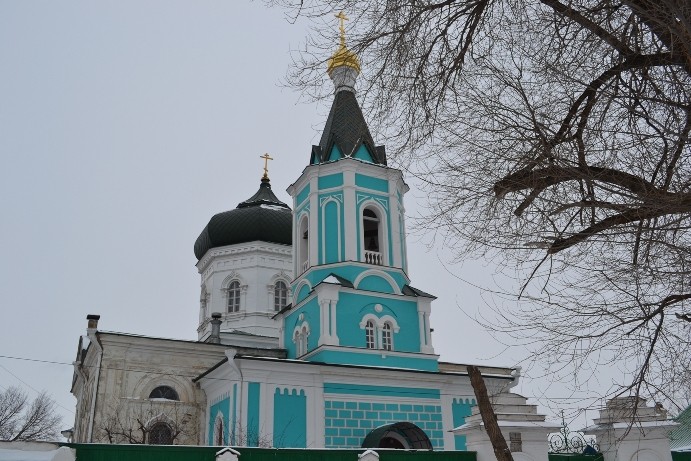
x=402 y=435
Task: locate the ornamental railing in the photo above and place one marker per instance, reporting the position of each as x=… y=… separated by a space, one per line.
x=374 y=257
x=566 y=441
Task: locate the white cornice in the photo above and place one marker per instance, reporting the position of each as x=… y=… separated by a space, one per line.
x=359 y=166
x=257 y=247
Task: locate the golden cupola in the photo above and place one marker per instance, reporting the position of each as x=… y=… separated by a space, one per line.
x=343 y=57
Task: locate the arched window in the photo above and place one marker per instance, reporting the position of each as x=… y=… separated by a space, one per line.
x=234 y=296
x=370 y=337
x=303 y=339
x=298 y=344
x=300 y=336
x=160 y=434
x=219 y=436
x=303 y=245
x=164 y=392
x=372 y=238
x=203 y=301
x=280 y=295
x=386 y=338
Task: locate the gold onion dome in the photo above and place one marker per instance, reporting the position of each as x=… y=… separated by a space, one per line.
x=343 y=56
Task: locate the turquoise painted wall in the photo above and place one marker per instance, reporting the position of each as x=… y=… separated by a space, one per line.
x=332 y=239
x=222 y=406
x=330 y=181
x=354 y=306
x=302 y=294
x=292 y=320
x=352 y=356
x=460 y=408
x=376 y=283
x=302 y=195
x=347 y=423
x=363 y=154
x=335 y=154
x=351 y=272
x=252 y=427
x=370 y=182
x=290 y=419
x=332 y=221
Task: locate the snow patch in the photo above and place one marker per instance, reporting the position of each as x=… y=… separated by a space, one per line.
x=272 y=207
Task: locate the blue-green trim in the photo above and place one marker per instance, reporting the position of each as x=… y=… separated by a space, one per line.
x=385 y=391
x=361 y=180
x=330 y=181
x=361 y=358
x=252 y=426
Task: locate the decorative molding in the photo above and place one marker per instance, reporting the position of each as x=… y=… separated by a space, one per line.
x=337 y=197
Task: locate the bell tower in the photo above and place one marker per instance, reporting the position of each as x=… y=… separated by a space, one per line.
x=351 y=294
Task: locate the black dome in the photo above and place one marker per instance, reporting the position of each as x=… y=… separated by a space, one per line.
x=261 y=217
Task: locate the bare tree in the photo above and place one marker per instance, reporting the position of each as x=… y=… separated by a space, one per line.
x=148 y=422
x=553 y=137
x=24 y=420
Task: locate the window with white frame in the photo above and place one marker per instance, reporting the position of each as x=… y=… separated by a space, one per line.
x=386 y=337
x=372 y=243
x=300 y=336
x=234 y=296
x=370 y=335
x=280 y=295
x=379 y=331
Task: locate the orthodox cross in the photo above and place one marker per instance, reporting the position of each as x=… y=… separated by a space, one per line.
x=342 y=18
x=266 y=165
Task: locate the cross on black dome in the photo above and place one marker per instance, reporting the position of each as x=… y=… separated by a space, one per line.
x=262 y=217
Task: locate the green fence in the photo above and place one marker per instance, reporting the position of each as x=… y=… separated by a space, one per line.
x=681 y=456
x=99 y=452
x=575 y=457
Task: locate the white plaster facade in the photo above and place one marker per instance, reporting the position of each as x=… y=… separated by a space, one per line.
x=257 y=266
x=116 y=372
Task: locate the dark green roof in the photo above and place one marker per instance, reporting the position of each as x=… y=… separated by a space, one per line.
x=261 y=217
x=347 y=129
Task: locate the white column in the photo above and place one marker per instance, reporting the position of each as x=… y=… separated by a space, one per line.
x=324 y=313
x=334 y=332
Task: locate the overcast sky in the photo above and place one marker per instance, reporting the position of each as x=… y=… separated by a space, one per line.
x=124 y=126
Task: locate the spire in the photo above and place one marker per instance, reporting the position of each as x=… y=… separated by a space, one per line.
x=344 y=65
x=346 y=134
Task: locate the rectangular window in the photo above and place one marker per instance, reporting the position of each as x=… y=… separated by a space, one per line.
x=516 y=443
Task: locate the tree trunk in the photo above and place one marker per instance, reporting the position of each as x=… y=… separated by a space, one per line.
x=501 y=449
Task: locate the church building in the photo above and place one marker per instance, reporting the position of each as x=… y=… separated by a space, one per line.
x=310 y=333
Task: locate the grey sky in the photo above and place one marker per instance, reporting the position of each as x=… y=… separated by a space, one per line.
x=124 y=126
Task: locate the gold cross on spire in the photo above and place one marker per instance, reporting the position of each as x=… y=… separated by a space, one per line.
x=342 y=18
x=266 y=165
